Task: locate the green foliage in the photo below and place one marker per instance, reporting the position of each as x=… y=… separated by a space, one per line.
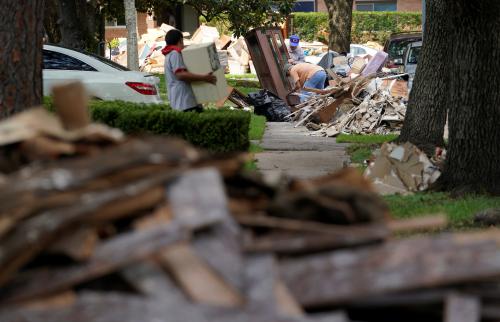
x=460 y=211
x=114 y=43
x=366 y=26
x=367 y=139
x=241 y=16
x=215 y=130
x=257 y=127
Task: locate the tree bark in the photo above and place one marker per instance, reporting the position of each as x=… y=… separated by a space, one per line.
x=426 y=114
x=72 y=30
x=474 y=102
x=131 y=21
x=21 y=34
x=340 y=22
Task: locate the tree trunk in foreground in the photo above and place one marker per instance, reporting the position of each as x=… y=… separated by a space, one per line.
x=426 y=113
x=474 y=102
x=340 y=22
x=21 y=34
x=131 y=21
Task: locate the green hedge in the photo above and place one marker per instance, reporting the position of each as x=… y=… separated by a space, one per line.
x=366 y=26
x=215 y=130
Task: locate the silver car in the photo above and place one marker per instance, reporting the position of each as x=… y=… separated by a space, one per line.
x=411 y=59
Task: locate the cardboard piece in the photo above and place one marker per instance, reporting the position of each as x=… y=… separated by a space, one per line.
x=71 y=103
x=203 y=59
x=205 y=34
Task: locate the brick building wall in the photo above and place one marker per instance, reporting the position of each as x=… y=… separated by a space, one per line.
x=410 y=5
x=143 y=23
x=402 y=5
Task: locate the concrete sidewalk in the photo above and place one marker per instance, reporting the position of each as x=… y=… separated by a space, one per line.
x=292 y=151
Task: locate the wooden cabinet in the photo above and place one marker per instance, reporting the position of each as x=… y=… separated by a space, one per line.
x=270 y=55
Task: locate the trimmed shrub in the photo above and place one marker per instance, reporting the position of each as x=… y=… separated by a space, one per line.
x=366 y=26
x=215 y=130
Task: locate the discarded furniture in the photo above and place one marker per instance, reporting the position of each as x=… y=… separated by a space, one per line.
x=270 y=55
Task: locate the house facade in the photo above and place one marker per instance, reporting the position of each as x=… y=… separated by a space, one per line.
x=363 y=5
x=184 y=18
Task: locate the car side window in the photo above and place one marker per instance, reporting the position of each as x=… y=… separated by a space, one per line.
x=54 y=60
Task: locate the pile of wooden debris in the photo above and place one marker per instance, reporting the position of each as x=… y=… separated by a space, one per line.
x=153 y=229
x=365 y=105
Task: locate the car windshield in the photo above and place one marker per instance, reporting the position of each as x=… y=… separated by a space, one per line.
x=413 y=55
x=108 y=62
x=397 y=48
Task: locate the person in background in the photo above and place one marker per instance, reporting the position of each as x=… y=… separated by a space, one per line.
x=307 y=75
x=180 y=94
x=295 y=51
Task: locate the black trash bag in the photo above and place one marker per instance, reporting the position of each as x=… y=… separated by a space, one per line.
x=269 y=105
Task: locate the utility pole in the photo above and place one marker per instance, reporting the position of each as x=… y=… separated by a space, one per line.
x=131 y=21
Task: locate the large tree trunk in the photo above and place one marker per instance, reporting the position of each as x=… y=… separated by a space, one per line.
x=131 y=21
x=21 y=33
x=72 y=30
x=426 y=114
x=340 y=22
x=474 y=101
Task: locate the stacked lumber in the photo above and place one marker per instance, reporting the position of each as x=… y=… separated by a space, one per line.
x=153 y=229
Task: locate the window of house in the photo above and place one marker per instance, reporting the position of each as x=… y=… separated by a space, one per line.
x=376 y=5
x=59 y=61
x=304 y=6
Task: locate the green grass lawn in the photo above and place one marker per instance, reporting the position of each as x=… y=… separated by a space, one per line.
x=460 y=211
x=256 y=132
x=257 y=127
x=366 y=139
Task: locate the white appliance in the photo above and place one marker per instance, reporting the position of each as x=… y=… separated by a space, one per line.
x=203 y=59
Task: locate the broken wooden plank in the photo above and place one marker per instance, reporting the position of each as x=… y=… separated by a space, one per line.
x=287 y=304
x=260 y=281
x=327 y=113
x=54 y=301
x=348 y=275
x=351 y=232
x=198 y=196
x=197 y=279
x=74 y=173
x=161 y=215
x=294 y=244
x=36 y=233
x=129 y=206
x=79 y=244
x=425 y=223
x=115 y=307
x=221 y=249
x=462 y=308
x=151 y=280
x=110 y=256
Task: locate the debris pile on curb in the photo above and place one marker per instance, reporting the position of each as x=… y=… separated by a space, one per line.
x=364 y=105
x=380 y=113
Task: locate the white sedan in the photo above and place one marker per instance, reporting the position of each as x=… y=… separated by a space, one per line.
x=102 y=78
